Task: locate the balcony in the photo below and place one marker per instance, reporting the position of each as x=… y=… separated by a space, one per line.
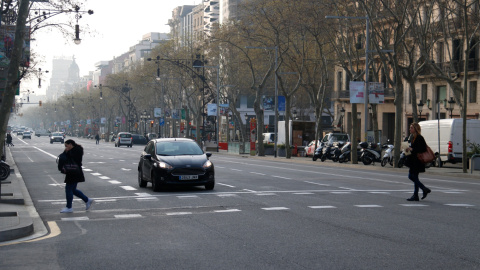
x=454 y=66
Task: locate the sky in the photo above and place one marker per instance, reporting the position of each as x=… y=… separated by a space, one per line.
x=119 y=25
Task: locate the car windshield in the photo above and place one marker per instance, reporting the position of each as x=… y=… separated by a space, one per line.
x=341 y=138
x=57 y=134
x=178 y=148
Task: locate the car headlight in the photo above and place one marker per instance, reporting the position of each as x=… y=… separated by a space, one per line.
x=163 y=165
x=207 y=164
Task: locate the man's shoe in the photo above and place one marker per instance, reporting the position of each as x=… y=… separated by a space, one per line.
x=66 y=210
x=413 y=199
x=425 y=193
x=89 y=204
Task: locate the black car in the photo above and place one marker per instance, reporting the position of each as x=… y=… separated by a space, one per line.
x=175 y=161
x=139 y=139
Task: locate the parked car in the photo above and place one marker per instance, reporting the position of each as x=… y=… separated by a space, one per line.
x=310 y=148
x=56 y=137
x=175 y=161
x=139 y=139
x=27 y=134
x=124 y=138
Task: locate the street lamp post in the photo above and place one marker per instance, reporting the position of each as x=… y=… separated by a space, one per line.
x=217 y=100
x=367 y=51
x=342 y=114
x=420 y=107
x=451 y=104
x=40 y=72
x=276 y=92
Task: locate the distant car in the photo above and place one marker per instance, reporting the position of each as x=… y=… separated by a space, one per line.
x=139 y=139
x=151 y=136
x=27 y=134
x=42 y=133
x=124 y=138
x=56 y=137
x=20 y=132
x=175 y=161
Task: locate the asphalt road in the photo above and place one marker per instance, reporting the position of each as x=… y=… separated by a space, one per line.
x=261 y=215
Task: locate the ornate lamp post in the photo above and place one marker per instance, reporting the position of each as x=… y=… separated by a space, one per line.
x=451 y=105
x=420 y=107
x=342 y=114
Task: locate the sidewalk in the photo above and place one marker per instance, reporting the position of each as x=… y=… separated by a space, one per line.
x=20 y=221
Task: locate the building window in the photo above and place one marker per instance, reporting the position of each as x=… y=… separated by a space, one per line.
x=339 y=81
x=423 y=95
x=472 y=97
x=250 y=101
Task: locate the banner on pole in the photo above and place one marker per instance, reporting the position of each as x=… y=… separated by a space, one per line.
x=357 y=92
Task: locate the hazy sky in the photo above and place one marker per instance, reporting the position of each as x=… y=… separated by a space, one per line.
x=119 y=25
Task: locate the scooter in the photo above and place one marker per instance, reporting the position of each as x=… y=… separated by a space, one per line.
x=369 y=154
x=345 y=155
x=388 y=156
x=318 y=152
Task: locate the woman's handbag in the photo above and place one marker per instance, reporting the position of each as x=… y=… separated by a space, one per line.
x=67 y=165
x=71 y=167
x=427 y=156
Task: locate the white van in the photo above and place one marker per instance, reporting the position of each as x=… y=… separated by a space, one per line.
x=268 y=138
x=451 y=135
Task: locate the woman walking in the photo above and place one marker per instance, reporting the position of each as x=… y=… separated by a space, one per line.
x=73 y=151
x=417 y=145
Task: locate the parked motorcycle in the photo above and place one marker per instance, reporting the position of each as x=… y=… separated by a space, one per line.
x=332 y=151
x=388 y=156
x=369 y=153
x=346 y=150
x=318 y=152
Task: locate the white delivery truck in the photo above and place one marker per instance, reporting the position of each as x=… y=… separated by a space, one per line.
x=451 y=135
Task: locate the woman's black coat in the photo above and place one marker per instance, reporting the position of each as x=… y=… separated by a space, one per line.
x=418 y=146
x=76 y=154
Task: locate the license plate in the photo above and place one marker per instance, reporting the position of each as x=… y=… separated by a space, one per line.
x=188 y=177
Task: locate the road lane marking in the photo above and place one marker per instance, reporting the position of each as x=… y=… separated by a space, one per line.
x=187 y=197
x=413 y=205
x=115 y=182
x=225 y=185
x=368 y=205
x=265 y=194
x=96 y=174
x=236 y=170
x=275 y=208
x=75 y=218
x=303 y=193
x=459 y=205
x=128 y=216
x=104 y=177
x=276 y=176
x=258 y=173
x=322 y=206
x=227 y=211
x=178 y=213
x=128 y=188
x=227 y=195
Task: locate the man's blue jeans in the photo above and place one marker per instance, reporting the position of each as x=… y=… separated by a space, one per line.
x=70 y=190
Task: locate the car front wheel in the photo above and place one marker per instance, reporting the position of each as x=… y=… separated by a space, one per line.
x=210 y=186
x=142 y=183
x=156 y=185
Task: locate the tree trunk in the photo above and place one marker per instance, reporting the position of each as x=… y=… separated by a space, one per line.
x=12 y=77
x=398 y=119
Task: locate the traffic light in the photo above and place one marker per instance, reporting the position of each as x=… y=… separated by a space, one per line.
x=40 y=103
x=151 y=123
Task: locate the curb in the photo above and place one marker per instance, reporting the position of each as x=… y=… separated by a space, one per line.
x=18 y=216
